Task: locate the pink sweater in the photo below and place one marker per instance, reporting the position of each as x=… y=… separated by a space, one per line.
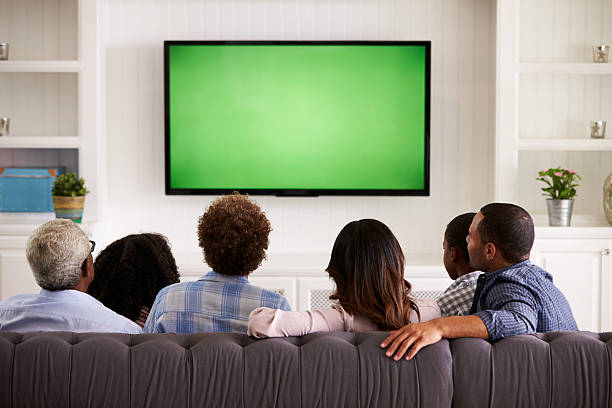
x=266 y=322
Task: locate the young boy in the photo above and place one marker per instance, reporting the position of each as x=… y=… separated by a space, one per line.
x=458 y=297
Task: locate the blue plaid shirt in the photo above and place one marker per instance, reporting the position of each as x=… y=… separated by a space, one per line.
x=521 y=299
x=214 y=303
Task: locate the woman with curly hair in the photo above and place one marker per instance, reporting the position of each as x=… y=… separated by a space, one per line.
x=367 y=265
x=233 y=234
x=131 y=271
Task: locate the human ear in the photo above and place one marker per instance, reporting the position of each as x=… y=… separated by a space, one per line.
x=490 y=251
x=453 y=254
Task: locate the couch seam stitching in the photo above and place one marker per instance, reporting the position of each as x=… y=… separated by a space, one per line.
x=12 y=375
x=130 y=372
x=301 y=368
x=491 y=375
x=358 y=370
x=70 y=368
x=551 y=383
x=418 y=380
x=242 y=342
x=609 y=370
x=190 y=365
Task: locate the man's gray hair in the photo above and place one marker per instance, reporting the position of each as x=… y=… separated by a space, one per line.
x=55 y=251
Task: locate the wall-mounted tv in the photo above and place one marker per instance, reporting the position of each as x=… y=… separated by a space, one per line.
x=297 y=118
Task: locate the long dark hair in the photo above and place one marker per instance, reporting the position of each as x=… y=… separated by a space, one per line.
x=130 y=271
x=367 y=265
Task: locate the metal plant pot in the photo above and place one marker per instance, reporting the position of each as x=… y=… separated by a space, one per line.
x=559 y=212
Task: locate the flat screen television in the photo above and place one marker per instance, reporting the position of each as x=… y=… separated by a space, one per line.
x=297 y=118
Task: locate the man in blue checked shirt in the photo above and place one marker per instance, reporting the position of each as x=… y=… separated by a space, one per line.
x=512 y=297
x=233 y=234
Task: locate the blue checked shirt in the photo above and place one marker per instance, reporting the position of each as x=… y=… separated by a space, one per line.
x=214 y=303
x=521 y=299
x=458 y=297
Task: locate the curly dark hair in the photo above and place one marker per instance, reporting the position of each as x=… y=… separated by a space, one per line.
x=131 y=271
x=233 y=234
x=367 y=265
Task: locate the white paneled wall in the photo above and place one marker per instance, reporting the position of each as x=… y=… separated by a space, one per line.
x=69 y=158
x=563 y=30
x=51 y=29
x=462 y=34
x=44 y=104
x=556 y=106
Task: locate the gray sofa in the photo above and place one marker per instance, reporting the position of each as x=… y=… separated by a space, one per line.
x=561 y=369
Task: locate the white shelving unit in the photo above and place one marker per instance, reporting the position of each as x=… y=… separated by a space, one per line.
x=546 y=97
x=40 y=66
x=50 y=93
x=548 y=91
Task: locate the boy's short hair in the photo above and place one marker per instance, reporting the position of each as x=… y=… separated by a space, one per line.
x=456 y=232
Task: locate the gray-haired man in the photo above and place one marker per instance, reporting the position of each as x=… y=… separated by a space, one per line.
x=59 y=254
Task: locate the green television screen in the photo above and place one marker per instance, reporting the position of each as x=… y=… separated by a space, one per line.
x=297 y=118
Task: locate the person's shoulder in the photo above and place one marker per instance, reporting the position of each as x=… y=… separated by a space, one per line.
x=18 y=299
x=112 y=321
x=180 y=287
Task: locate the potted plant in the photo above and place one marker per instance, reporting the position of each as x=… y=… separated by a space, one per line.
x=560 y=189
x=69 y=196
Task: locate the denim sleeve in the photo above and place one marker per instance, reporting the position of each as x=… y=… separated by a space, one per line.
x=510 y=310
x=285 y=305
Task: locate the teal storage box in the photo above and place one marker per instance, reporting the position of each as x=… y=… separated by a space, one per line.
x=27 y=190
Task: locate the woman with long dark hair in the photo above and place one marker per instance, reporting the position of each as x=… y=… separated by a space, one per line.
x=367 y=265
x=129 y=273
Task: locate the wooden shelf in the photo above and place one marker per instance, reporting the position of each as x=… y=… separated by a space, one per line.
x=40 y=66
x=565 y=144
x=589 y=68
x=40 y=142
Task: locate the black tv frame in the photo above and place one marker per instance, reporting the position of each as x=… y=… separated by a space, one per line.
x=298 y=192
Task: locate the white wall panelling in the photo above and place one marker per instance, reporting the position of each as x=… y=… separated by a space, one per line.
x=563 y=30
x=69 y=158
x=51 y=25
x=461 y=31
x=560 y=106
x=40 y=104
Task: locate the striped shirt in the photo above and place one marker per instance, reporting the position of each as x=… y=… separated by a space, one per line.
x=142 y=316
x=214 y=303
x=458 y=297
x=521 y=299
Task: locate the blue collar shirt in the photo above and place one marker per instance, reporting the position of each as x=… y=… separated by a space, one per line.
x=61 y=310
x=214 y=303
x=521 y=299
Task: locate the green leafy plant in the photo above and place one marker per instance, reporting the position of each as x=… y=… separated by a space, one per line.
x=560 y=183
x=68 y=185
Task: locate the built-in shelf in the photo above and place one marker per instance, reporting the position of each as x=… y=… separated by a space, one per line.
x=583 y=144
x=566 y=68
x=40 y=142
x=40 y=66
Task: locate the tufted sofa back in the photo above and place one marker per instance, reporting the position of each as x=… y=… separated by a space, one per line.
x=562 y=369
x=216 y=370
